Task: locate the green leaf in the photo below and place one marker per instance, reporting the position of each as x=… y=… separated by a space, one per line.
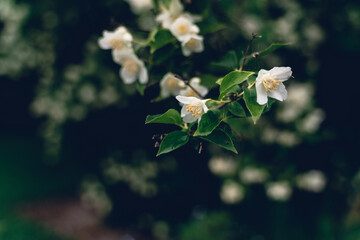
x=141 y=88
x=161 y=39
x=208 y=122
x=236 y=109
x=270 y=102
x=163 y=54
x=221 y=139
x=210 y=26
x=227 y=63
x=232 y=79
x=250 y=101
x=270 y=49
x=170 y=117
x=173 y=141
x=251 y=79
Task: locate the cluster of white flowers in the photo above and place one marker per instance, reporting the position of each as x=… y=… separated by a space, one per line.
x=182 y=26
x=279 y=191
x=313 y=181
x=192 y=109
x=252 y=175
x=120 y=42
x=172 y=85
x=140 y=6
x=232 y=192
x=222 y=165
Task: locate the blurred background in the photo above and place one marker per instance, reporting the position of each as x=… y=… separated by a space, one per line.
x=77 y=161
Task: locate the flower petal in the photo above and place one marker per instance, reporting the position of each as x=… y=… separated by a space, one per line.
x=187 y=100
x=188 y=118
x=126 y=77
x=261 y=95
x=279 y=94
x=143 y=75
x=260 y=75
x=282 y=73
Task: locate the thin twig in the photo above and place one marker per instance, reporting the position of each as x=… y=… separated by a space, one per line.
x=187 y=83
x=253 y=36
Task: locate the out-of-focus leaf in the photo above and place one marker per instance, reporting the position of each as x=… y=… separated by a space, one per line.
x=173 y=141
x=270 y=49
x=141 y=88
x=228 y=63
x=161 y=39
x=210 y=26
x=170 y=117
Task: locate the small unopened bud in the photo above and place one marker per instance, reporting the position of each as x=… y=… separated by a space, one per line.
x=255 y=54
x=157 y=144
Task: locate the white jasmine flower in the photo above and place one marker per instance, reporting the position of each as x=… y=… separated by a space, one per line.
x=133 y=68
x=232 y=192
x=278 y=191
x=313 y=181
x=269 y=84
x=194 y=83
x=192 y=109
x=171 y=85
x=192 y=43
x=251 y=175
x=182 y=27
x=140 y=6
x=120 y=39
x=220 y=165
x=167 y=16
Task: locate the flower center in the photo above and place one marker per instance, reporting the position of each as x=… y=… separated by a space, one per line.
x=270 y=83
x=195 y=109
x=131 y=67
x=183 y=28
x=192 y=43
x=116 y=43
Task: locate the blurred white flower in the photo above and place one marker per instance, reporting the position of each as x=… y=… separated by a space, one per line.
x=140 y=6
x=278 y=191
x=171 y=85
x=232 y=192
x=94 y=196
x=191 y=44
x=194 y=83
x=220 y=165
x=313 y=181
x=87 y=93
x=120 y=40
x=251 y=175
x=133 y=68
x=299 y=99
x=311 y=122
x=287 y=138
x=182 y=27
x=192 y=109
x=168 y=15
x=269 y=84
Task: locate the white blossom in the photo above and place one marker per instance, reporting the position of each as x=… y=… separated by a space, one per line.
x=269 y=84
x=120 y=40
x=313 y=181
x=251 y=175
x=168 y=15
x=232 y=192
x=182 y=27
x=194 y=83
x=191 y=44
x=133 y=68
x=278 y=191
x=192 y=109
x=140 y=6
x=220 y=165
x=171 y=85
